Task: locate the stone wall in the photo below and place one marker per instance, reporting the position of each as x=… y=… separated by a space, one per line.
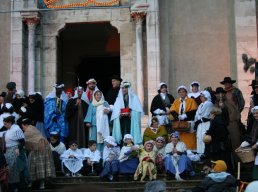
x=246 y=42
x=5 y=30
x=197 y=42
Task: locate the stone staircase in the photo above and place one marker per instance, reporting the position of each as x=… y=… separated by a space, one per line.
x=124 y=184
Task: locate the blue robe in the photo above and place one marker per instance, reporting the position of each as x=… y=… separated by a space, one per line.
x=51 y=113
x=91 y=118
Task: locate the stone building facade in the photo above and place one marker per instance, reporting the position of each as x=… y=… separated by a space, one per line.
x=146 y=42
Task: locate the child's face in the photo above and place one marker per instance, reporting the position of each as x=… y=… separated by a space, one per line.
x=159 y=144
x=93 y=147
x=148 y=147
x=128 y=141
x=109 y=145
x=74 y=146
x=53 y=140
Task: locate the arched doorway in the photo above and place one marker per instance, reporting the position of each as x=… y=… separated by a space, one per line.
x=88 y=50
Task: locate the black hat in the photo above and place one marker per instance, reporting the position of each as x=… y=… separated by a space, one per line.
x=9 y=118
x=11 y=85
x=220 y=90
x=254 y=83
x=117 y=77
x=227 y=80
x=3 y=94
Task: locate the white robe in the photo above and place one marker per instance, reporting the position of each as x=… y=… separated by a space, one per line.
x=203 y=111
x=72 y=164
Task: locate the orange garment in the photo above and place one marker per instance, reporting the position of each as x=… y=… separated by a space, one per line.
x=188 y=138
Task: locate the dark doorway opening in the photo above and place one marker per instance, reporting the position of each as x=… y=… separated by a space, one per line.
x=88 y=50
x=102 y=68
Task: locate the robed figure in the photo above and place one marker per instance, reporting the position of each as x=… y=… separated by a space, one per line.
x=75 y=113
x=127 y=114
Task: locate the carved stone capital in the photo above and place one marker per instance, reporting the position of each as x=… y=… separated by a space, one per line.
x=138 y=17
x=32 y=22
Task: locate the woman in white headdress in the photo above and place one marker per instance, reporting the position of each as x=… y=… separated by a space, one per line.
x=126 y=115
x=202 y=119
x=195 y=92
x=161 y=103
x=184 y=109
x=97 y=119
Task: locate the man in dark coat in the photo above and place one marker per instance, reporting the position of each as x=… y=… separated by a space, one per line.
x=75 y=113
x=112 y=93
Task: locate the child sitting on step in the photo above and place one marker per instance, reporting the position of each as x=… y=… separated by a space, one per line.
x=159 y=149
x=92 y=165
x=147 y=162
x=128 y=156
x=110 y=157
x=72 y=160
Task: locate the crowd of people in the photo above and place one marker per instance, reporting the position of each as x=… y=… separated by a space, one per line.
x=81 y=131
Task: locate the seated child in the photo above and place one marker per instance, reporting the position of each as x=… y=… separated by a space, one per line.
x=72 y=160
x=147 y=162
x=57 y=148
x=92 y=164
x=128 y=156
x=159 y=149
x=176 y=162
x=110 y=158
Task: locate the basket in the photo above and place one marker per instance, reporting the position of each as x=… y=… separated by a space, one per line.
x=246 y=155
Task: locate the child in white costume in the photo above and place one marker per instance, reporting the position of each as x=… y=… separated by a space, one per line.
x=72 y=159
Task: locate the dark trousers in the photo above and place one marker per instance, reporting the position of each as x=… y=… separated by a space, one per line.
x=88 y=169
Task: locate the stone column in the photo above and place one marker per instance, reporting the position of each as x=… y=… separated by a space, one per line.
x=31 y=23
x=153 y=48
x=138 y=18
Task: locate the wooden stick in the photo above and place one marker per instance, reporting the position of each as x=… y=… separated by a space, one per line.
x=238 y=173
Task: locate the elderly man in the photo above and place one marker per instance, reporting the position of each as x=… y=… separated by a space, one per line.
x=54 y=112
x=127 y=114
x=75 y=113
x=235 y=103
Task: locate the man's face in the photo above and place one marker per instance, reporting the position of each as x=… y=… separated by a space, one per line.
x=1 y=99
x=206 y=170
x=11 y=91
x=69 y=95
x=227 y=85
x=125 y=90
x=91 y=86
x=115 y=83
x=80 y=91
x=59 y=91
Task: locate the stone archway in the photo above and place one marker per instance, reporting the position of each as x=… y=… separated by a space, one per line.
x=88 y=50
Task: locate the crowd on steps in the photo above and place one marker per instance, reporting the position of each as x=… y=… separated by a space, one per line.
x=82 y=131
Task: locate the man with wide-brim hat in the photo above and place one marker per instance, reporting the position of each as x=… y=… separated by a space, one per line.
x=227 y=80
x=112 y=93
x=235 y=103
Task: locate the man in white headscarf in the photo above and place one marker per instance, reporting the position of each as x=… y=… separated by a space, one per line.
x=91 y=87
x=127 y=114
x=75 y=113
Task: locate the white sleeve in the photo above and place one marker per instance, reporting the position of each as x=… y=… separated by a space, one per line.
x=97 y=156
x=65 y=155
x=105 y=154
x=158 y=111
x=244 y=144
